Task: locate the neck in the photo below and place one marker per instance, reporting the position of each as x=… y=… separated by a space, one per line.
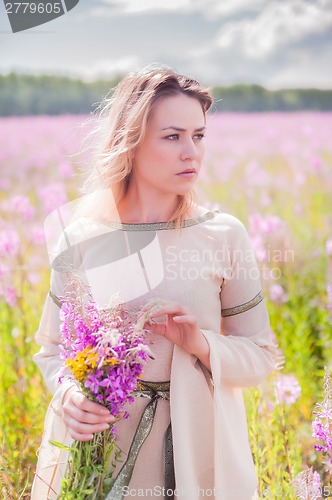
x=134 y=208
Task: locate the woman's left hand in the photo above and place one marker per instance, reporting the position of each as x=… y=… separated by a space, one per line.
x=180 y=327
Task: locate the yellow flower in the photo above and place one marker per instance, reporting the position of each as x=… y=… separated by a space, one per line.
x=83 y=362
x=111 y=361
x=92 y=360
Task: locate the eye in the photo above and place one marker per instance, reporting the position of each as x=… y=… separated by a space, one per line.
x=172 y=137
x=199 y=136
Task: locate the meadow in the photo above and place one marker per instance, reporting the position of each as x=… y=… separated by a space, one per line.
x=271 y=170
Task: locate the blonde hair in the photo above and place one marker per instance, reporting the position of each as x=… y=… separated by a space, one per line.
x=122 y=120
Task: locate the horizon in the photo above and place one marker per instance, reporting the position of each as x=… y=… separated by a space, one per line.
x=120 y=76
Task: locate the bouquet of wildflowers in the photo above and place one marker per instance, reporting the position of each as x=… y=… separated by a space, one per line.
x=104 y=351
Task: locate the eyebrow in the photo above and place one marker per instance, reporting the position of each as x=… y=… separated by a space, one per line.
x=178 y=129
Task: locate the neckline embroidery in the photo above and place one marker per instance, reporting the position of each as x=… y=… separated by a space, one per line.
x=154 y=226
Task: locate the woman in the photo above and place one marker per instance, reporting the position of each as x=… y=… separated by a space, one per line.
x=200 y=264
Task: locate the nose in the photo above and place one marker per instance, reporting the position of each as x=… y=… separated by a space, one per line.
x=189 y=150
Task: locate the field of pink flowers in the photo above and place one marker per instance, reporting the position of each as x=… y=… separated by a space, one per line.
x=271 y=170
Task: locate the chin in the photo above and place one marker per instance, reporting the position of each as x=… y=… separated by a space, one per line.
x=183 y=192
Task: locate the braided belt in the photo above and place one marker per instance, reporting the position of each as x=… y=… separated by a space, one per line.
x=153 y=391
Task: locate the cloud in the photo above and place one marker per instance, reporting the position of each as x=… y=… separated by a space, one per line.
x=101 y=68
x=210 y=9
x=121 y=7
x=278 y=25
x=270 y=42
x=311 y=70
x=108 y=68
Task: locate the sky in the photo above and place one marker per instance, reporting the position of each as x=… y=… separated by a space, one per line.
x=274 y=43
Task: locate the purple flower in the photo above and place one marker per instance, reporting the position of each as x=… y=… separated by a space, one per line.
x=105 y=351
x=100 y=398
x=92 y=383
x=307 y=485
x=322 y=425
x=320 y=432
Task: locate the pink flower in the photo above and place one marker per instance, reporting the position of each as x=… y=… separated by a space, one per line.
x=65 y=170
x=37 y=235
x=259 y=247
x=9 y=242
x=277 y=294
x=256 y=175
x=19 y=204
x=52 y=195
x=287 y=389
x=4 y=269
x=261 y=225
x=10 y=296
x=329 y=247
x=33 y=278
x=329 y=298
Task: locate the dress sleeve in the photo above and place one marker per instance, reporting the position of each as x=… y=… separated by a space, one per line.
x=48 y=336
x=244 y=353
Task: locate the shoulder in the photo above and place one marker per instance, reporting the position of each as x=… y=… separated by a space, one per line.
x=71 y=240
x=229 y=224
x=79 y=231
x=218 y=217
x=230 y=230
x=229 y=221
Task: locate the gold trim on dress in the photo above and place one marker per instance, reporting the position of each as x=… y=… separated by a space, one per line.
x=232 y=311
x=155 y=226
x=154 y=391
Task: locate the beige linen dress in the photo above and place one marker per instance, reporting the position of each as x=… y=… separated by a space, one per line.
x=209 y=267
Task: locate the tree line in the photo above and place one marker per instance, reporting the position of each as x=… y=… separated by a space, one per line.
x=32 y=95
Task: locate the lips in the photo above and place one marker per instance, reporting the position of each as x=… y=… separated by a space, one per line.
x=187 y=171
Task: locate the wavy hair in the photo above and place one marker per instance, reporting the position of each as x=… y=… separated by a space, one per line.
x=122 y=119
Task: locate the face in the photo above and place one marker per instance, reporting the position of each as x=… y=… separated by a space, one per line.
x=170 y=156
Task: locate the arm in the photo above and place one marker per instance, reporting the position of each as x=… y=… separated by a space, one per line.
x=48 y=337
x=244 y=353
x=81 y=416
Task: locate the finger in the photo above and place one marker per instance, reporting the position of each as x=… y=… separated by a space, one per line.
x=87 y=417
x=82 y=428
x=160 y=319
x=80 y=437
x=159 y=329
x=190 y=320
x=85 y=404
x=172 y=308
x=87 y=429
